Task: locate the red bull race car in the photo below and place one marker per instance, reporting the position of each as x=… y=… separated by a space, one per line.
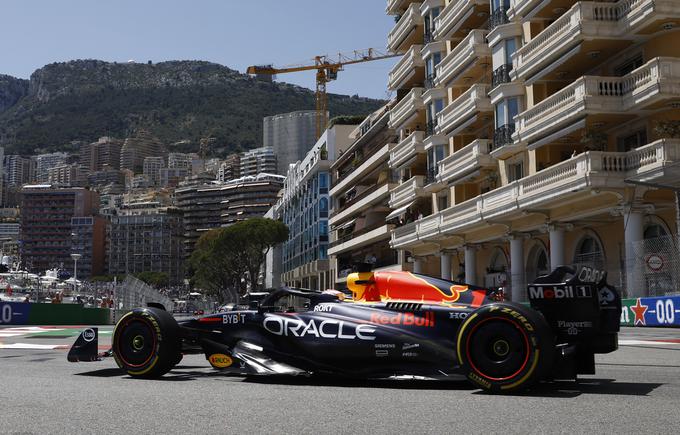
x=397 y=324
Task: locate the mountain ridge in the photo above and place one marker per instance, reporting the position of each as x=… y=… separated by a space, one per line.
x=178 y=101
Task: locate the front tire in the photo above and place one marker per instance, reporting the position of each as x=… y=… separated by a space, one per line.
x=505 y=347
x=146 y=342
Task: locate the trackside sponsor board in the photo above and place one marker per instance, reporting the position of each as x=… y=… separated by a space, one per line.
x=661 y=311
x=14 y=313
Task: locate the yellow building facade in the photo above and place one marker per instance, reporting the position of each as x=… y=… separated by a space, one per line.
x=537 y=133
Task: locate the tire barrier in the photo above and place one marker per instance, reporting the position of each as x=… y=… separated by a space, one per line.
x=21 y=313
x=656 y=311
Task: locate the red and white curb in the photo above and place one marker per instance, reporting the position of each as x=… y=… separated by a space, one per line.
x=14 y=332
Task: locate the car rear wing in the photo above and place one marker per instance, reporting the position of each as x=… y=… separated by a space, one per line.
x=578 y=304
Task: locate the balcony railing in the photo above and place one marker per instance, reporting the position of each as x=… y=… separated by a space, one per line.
x=641 y=87
x=461 y=58
x=407 y=191
x=459 y=111
x=430 y=81
x=407 y=149
x=501 y=75
x=410 y=20
x=431 y=127
x=466 y=160
x=408 y=105
x=406 y=66
x=498 y=17
x=588 y=21
x=550 y=186
x=453 y=16
x=503 y=136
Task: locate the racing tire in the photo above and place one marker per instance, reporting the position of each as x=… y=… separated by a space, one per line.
x=146 y=343
x=505 y=347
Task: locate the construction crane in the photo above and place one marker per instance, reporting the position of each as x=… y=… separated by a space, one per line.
x=327 y=68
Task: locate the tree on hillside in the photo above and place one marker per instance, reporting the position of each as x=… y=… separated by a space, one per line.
x=227 y=259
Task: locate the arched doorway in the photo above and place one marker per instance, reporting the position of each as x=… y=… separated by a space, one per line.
x=589 y=252
x=537 y=262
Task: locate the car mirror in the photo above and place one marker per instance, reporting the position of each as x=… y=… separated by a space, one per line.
x=253 y=305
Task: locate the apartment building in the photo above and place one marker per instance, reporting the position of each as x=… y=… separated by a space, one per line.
x=105 y=152
x=136 y=149
x=230 y=168
x=71 y=175
x=537 y=133
x=148 y=242
x=56 y=223
x=44 y=162
x=360 y=192
x=290 y=135
x=257 y=161
x=304 y=207
x=18 y=170
x=215 y=204
x=152 y=169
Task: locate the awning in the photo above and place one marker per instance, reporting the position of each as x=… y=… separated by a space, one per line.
x=345 y=225
x=399 y=211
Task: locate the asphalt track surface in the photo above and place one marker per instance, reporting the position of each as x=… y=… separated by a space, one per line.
x=636 y=389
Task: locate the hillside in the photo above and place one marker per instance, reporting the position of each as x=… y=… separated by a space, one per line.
x=178 y=101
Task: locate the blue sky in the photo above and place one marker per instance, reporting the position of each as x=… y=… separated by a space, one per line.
x=229 y=32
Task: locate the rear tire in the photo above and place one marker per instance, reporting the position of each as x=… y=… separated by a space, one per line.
x=505 y=347
x=146 y=342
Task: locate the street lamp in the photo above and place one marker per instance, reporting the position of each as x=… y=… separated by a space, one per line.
x=75 y=257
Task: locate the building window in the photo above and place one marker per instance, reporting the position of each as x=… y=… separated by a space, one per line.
x=632 y=141
x=515 y=171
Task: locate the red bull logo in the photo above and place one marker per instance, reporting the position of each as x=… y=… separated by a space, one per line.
x=406 y=319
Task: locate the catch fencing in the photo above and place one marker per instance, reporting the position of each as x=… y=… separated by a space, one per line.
x=133 y=292
x=655 y=270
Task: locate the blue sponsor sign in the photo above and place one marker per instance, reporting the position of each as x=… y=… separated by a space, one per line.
x=661 y=311
x=14 y=313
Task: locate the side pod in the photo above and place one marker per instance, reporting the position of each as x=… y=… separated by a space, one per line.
x=86 y=346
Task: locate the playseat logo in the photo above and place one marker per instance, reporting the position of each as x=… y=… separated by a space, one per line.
x=567 y=292
x=406 y=319
x=288 y=327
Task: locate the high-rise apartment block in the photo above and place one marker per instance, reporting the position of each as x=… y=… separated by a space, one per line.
x=290 y=135
x=146 y=243
x=56 y=223
x=45 y=162
x=230 y=168
x=18 y=170
x=529 y=132
x=71 y=175
x=304 y=207
x=181 y=160
x=136 y=149
x=105 y=152
x=216 y=204
x=257 y=161
x=152 y=169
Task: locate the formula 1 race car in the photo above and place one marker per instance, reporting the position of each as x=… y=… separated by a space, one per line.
x=397 y=324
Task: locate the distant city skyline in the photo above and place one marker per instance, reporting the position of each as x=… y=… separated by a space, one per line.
x=234 y=34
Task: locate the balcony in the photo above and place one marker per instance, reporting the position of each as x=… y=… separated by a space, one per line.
x=464 y=110
x=407 y=31
x=458 y=15
x=361 y=203
x=360 y=239
x=470 y=57
x=466 y=161
x=649 y=86
x=395 y=7
x=551 y=187
x=364 y=167
x=588 y=33
x=407 y=192
x=407 y=149
x=407 y=108
x=408 y=70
